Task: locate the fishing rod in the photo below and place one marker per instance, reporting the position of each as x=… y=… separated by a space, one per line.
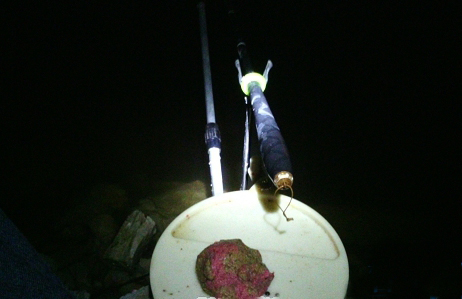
x=272 y=146
x=212 y=132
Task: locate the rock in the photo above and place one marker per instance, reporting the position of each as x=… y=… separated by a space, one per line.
x=131 y=240
x=104 y=229
x=166 y=207
x=145 y=264
x=81 y=294
x=116 y=277
x=108 y=196
x=96 y=218
x=142 y=293
x=175 y=201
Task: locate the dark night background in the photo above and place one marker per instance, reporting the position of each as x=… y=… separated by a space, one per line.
x=364 y=94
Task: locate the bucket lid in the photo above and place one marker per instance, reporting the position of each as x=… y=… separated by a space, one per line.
x=306 y=255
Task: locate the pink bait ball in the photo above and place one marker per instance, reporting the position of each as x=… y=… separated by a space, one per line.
x=229 y=269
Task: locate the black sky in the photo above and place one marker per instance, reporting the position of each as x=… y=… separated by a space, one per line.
x=364 y=94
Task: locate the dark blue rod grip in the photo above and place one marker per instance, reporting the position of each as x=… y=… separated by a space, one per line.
x=272 y=146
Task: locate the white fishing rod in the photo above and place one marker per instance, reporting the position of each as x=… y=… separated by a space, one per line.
x=212 y=133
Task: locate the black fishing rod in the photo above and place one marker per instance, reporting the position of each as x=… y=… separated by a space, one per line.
x=273 y=149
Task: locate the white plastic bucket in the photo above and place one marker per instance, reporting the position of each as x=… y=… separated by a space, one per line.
x=306 y=254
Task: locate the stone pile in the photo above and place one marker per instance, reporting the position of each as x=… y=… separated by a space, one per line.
x=103 y=248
